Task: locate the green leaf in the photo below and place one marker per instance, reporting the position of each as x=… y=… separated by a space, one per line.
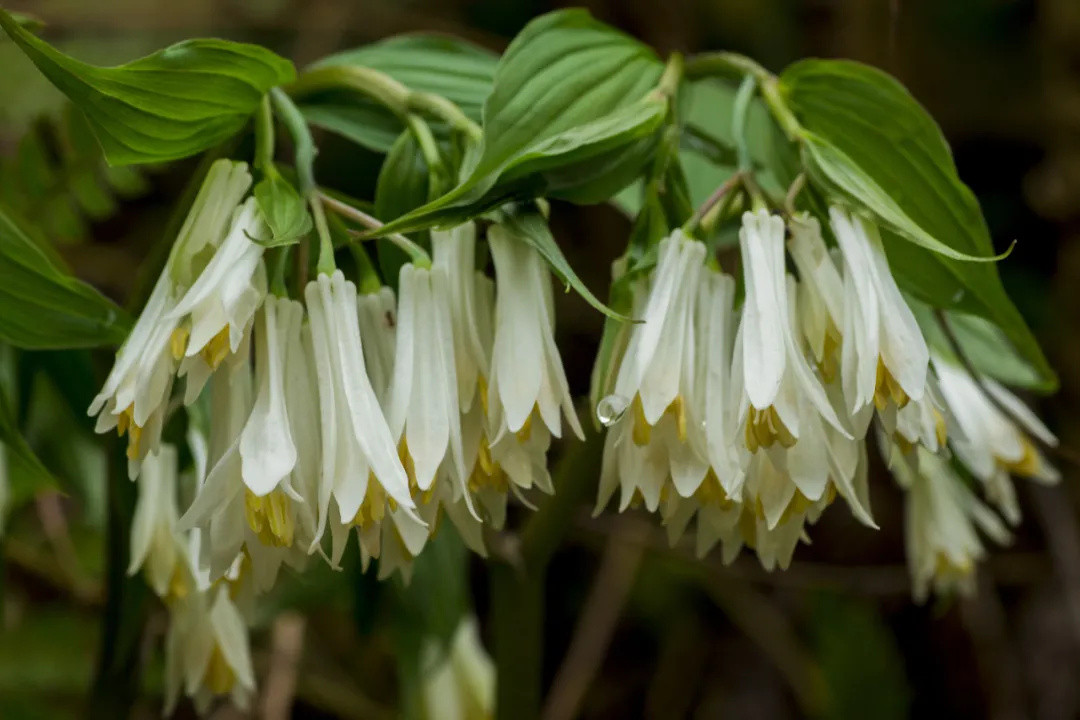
x=531 y=227
x=403 y=185
x=42 y=307
x=871 y=142
x=570 y=115
x=982 y=342
x=453 y=68
x=26 y=473
x=284 y=211
x=172 y=104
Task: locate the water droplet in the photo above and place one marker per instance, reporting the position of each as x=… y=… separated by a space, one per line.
x=610 y=409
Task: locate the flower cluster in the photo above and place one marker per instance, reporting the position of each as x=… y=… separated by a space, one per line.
x=753 y=420
x=333 y=412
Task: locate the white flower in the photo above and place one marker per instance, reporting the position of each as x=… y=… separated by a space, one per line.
x=424 y=414
x=217 y=309
x=884 y=358
x=136 y=392
x=377 y=314
x=135 y=395
x=155 y=543
x=259 y=480
x=207 y=653
x=821 y=294
x=458 y=681
x=942 y=523
x=659 y=396
x=779 y=385
x=455 y=253
x=527 y=376
x=990 y=443
x=360 y=466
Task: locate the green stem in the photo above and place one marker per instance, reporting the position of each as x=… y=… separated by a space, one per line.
x=281 y=265
x=325 y=265
x=417 y=255
x=733 y=65
x=264 y=138
x=116 y=678
x=668 y=86
x=305 y=146
x=430 y=150
x=365 y=269
x=517 y=588
x=740 y=113
x=385 y=91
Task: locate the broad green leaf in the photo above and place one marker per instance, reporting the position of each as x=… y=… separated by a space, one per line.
x=42 y=307
x=569 y=115
x=284 y=211
x=873 y=144
x=531 y=227
x=172 y=104
x=403 y=185
x=455 y=69
x=982 y=342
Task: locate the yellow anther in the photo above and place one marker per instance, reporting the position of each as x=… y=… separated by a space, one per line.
x=407 y=462
x=487 y=472
x=764 y=427
x=830 y=354
x=125 y=423
x=482 y=391
x=270 y=517
x=219 y=677
x=1027 y=465
x=642 y=431
x=711 y=493
x=178 y=342
x=940 y=429
x=179 y=585
x=526 y=429
x=887 y=389
x=372 y=508
x=944 y=566
x=678 y=410
x=217 y=349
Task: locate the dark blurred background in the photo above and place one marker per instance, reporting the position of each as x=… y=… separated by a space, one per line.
x=835 y=636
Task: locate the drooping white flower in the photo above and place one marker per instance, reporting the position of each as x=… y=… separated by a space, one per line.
x=136 y=392
x=207 y=652
x=155 y=542
x=459 y=680
x=943 y=519
x=991 y=444
x=258 y=495
x=377 y=313
x=885 y=358
x=218 y=308
x=659 y=397
x=821 y=294
x=424 y=413
x=454 y=252
x=527 y=377
x=779 y=385
x=360 y=469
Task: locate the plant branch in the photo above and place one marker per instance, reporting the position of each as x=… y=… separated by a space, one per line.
x=713 y=200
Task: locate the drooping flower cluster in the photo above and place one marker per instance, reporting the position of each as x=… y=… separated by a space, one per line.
x=337 y=410
x=753 y=420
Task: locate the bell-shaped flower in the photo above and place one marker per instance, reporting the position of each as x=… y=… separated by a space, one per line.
x=454 y=252
x=457 y=681
x=821 y=294
x=527 y=378
x=218 y=308
x=884 y=359
x=207 y=652
x=991 y=444
x=136 y=392
x=377 y=314
x=424 y=413
x=155 y=542
x=360 y=466
x=778 y=383
x=942 y=523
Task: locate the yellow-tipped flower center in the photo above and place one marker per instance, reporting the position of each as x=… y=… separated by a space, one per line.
x=487 y=473
x=178 y=342
x=270 y=517
x=125 y=423
x=887 y=389
x=373 y=507
x=642 y=430
x=1028 y=464
x=711 y=493
x=219 y=677
x=764 y=427
x=217 y=349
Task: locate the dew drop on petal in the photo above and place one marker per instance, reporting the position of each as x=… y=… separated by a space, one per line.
x=610 y=409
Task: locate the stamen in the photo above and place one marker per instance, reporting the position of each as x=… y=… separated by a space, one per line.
x=219 y=677
x=642 y=431
x=372 y=508
x=1027 y=465
x=178 y=342
x=217 y=349
x=270 y=517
